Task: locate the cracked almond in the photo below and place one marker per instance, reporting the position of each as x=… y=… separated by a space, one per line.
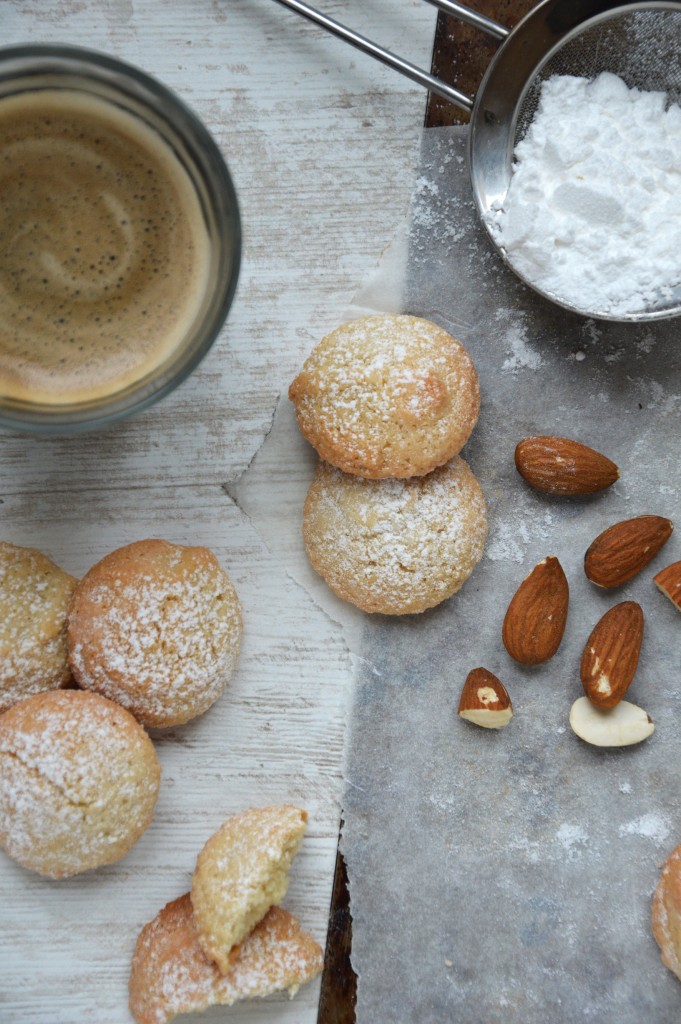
x=669 y=582
x=558 y=465
x=535 y=621
x=611 y=654
x=620 y=552
x=484 y=700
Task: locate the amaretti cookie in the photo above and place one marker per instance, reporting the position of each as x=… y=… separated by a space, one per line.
x=241 y=872
x=171 y=975
x=666 y=912
x=387 y=396
x=34 y=599
x=395 y=546
x=79 y=780
x=156 y=627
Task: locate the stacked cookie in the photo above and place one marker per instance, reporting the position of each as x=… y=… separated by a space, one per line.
x=151 y=634
x=227 y=939
x=394 y=520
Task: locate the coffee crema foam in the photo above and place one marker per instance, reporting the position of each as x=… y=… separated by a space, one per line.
x=105 y=254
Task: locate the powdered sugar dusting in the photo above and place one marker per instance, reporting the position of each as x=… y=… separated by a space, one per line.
x=171 y=975
x=78 y=782
x=573 y=838
x=241 y=872
x=387 y=396
x=649 y=826
x=591 y=211
x=157 y=628
x=520 y=355
x=395 y=546
x=34 y=601
x=510 y=538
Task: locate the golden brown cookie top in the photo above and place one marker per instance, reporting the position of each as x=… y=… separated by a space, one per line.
x=395 y=546
x=387 y=396
x=241 y=872
x=170 y=974
x=79 y=779
x=34 y=599
x=666 y=912
x=157 y=627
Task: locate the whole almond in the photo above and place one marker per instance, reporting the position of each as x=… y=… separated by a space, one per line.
x=535 y=621
x=484 y=700
x=611 y=654
x=621 y=551
x=669 y=582
x=558 y=465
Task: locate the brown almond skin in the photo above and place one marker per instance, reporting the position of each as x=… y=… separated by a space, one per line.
x=620 y=552
x=535 y=621
x=477 y=679
x=668 y=580
x=611 y=654
x=557 y=465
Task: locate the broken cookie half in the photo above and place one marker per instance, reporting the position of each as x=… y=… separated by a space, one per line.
x=171 y=975
x=227 y=940
x=241 y=872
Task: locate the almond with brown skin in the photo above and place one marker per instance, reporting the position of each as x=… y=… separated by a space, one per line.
x=621 y=551
x=669 y=582
x=611 y=654
x=484 y=700
x=558 y=465
x=535 y=620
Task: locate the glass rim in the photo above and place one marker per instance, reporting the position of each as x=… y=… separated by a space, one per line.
x=208 y=160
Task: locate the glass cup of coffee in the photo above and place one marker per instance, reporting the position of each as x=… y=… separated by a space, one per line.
x=121 y=239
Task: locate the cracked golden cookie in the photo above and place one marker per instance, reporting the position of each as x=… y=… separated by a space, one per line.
x=171 y=975
x=34 y=599
x=395 y=546
x=666 y=912
x=387 y=396
x=156 y=627
x=241 y=872
x=79 y=779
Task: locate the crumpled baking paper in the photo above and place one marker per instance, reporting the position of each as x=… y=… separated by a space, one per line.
x=507 y=876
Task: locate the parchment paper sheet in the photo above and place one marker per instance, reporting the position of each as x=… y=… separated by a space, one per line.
x=508 y=876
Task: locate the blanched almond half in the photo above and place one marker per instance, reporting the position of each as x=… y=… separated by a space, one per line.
x=484 y=700
x=622 y=726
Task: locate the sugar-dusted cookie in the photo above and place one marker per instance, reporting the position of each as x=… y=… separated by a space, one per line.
x=387 y=396
x=171 y=975
x=156 y=627
x=666 y=912
x=241 y=872
x=79 y=780
x=395 y=546
x=34 y=599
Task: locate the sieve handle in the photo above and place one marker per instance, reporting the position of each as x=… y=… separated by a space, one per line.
x=404 y=67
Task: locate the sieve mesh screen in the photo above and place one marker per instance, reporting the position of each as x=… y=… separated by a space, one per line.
x=640 y=46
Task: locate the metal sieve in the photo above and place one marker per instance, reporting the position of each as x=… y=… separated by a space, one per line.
x=640 y=42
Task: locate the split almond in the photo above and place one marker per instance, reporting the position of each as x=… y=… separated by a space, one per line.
x=621 y=551
x=669 y=582
x=623 y=726
x=558 y=465
x=611 y=654
x=535 y=621
x=484 y=700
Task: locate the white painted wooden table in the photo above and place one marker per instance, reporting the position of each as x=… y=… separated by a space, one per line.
x=322 y=143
